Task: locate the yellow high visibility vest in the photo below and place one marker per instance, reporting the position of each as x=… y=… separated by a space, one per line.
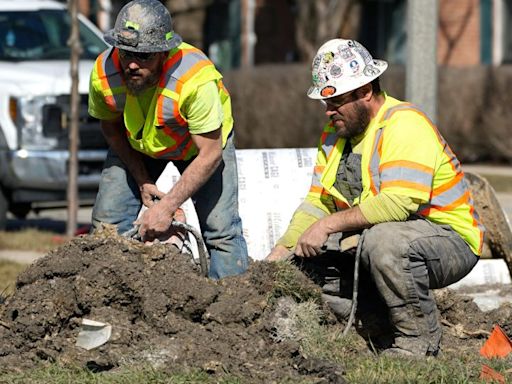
x=164 y=132
x=404 y=154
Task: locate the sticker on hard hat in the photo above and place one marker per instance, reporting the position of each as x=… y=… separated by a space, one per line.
x=327 y=91
x=346 y=53
x=370 y=70
x=336 y=70
x=354 y=66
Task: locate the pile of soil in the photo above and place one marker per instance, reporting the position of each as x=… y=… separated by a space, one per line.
x=164 y=313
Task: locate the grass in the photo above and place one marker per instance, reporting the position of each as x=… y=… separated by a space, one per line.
x=55 y=374
x=8 y=272
x=359 y=368
x=30 y=240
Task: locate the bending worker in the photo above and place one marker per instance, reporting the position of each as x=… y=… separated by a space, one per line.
x=383 y=165
x=159 y=100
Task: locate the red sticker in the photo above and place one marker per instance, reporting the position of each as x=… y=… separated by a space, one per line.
x=327 y=91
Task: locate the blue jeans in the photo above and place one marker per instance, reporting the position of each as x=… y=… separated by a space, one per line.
x=118 y=202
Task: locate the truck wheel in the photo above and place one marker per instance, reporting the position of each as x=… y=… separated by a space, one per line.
x=20 y=210
x=4 y=207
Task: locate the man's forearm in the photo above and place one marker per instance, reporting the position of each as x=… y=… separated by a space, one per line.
x=209 y=146
x=347 y=220
x=193 y=178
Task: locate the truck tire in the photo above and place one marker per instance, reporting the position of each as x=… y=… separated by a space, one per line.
x=4 y=207
x=20 y=210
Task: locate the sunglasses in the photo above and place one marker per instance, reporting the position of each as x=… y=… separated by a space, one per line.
x=142 y=57
x=338 y=101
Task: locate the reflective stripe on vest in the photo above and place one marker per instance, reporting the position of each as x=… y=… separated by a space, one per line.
x=327 y=141
x=177 y=69
x=112 y=84
x=444 y=198
x=413 y=175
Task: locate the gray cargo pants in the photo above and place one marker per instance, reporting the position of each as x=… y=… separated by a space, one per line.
x=405 y=260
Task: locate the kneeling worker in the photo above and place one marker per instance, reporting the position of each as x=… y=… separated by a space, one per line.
x=384 y=167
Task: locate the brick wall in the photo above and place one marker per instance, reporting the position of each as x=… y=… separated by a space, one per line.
x=459 y=33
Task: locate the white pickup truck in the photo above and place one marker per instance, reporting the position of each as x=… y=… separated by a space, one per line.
x=35 y=87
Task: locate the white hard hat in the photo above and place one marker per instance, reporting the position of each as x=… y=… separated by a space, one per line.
x=340 y=66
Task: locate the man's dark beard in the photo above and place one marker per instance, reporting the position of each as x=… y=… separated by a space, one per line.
x=358 y=124
x=136 y=88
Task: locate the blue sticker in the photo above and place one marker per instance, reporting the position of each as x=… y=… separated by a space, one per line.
x=354 y=66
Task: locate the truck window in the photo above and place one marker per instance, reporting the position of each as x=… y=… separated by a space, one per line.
x=43 y=35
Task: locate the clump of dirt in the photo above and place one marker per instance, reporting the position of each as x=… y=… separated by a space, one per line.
x=162 y=312
x=465 y=326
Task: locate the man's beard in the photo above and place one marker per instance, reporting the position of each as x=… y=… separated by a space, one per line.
x=357 y=124
x=135 y=88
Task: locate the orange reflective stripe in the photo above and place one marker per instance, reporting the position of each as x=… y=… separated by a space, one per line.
x=319 y=191
x=316 y=189
x=340 y=204
x=374 y=161
x=172 y=61
x=175 y=112
x=406 y=164
x=220 y=84
x=115 y=59
x=437 y=191
x=454 y=163
x=319 y=169
x=109 y=100
x=191 y=72
x=464 y=199
x=179 y=141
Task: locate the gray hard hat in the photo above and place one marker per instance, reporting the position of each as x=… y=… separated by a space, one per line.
x=143 y=26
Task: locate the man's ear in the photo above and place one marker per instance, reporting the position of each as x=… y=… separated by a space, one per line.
x=365 y=92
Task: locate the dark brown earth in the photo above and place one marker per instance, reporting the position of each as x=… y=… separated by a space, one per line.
x=163 y=313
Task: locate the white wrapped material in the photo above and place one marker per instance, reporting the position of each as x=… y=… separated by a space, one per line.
x=272 y=184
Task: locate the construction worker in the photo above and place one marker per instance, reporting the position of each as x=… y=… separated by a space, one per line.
x=384 y=170
x=160 y=99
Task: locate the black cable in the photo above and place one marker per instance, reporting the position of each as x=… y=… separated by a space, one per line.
x=355 y=286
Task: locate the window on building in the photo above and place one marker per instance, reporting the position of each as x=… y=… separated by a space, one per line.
x=383 y=29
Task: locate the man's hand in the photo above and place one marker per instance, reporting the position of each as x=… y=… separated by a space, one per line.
x=279 y=253
x=149 y=193
x=155 y=222
x=311 y=241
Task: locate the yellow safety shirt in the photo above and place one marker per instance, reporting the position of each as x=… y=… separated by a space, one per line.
x=403 y=156
x=189 y=99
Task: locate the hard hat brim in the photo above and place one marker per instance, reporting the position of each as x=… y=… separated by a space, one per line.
x=167 y=45
x=315 y=93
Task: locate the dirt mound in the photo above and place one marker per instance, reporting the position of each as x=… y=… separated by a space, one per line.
x=161 y=310
x=163 y=313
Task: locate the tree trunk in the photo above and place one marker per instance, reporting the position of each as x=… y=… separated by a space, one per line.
x=72 y=188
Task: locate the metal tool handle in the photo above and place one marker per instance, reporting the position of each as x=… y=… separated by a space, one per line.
x=203 y=253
